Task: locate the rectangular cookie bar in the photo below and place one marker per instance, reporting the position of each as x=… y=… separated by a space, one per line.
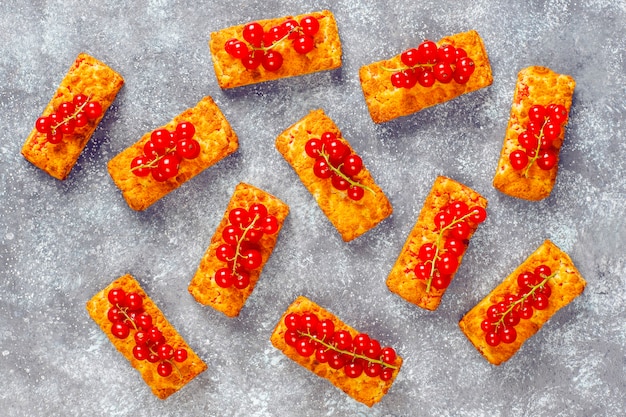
x=126 y=315
x=99 y=84
x=517 y=308
x=386 y=101
x=353 y=211
x=228 y=271
x=320 y=342
x=279 y=38
x=530 y=153
x=437 y=243
x=216 y=140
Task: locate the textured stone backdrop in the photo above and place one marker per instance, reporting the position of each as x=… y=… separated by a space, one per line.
x=61 y=242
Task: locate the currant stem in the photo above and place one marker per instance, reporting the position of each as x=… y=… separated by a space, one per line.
x=123 y=311
x=73 y=116
x=154 y=162
x=536 y=156
x=524 y=298
x=437 y=244
x=337 y=171
x=346 y=352
x=238 y=248
x=404 y=67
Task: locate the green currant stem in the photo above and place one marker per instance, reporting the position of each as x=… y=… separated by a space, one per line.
x=154 y=162
x=337 y=171
x=347 y=352
x=524 y=298
x=536 y=156
x=73 y=116
x=238 y=248
x=437 y=245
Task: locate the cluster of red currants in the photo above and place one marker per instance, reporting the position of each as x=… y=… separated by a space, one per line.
x=67 y=117
x=534 y=294
x=544 y=126
x=164 y=151
x=126 y=314
x=440 y=260
x=334 y=160
x=240 y=250
x=259 y=47
x=428 y=63
x=356 y=355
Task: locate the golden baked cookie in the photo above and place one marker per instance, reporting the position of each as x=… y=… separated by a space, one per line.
x=351 y=361
x=536 y=86
x=225 y=284
x=216 y=140
x=386 y=102
x=281 y=39
x=524 y=302
x=351 y=217
x=130 y=319
x=98 y=83
x=437 y=243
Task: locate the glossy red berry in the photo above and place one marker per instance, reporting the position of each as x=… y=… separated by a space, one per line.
x=164 y=369
x=342 y=339
x=427 y=252
x=518 y=159
x=355 y=193
x=93 y=110
x=43 y=125
x=180 y=355
x=303 y=44
x=224 y=278
x=272 y=61
x=309 y=25
x=352 y=165
x=253 y=34
x=547 y=159
x=120 y=330
x=80 y=99
x=388 y=355
x=427 y=52
x=133 y=301
x=353 y=369
x=117 y=296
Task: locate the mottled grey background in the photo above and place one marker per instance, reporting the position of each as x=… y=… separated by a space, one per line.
x=61 y=242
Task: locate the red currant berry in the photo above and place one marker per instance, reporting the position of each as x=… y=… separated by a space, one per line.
x=426 y=78
x=225 y=252
x=237 y=49
x=241 y=280
x=372 y=369
x=353 y=369
x=525 y=311
x=493 y=313
x=427 y=252
x=251 y=259
x=116 y=296
x=66 y=109
x=422 y=270
x=253 y=34
x=545 y=289
x=327 y=137
x=352 y=165
x=313 y=147
x=511 y=319
x=525 y=280
x=43 y=125
x=304 y=347
x=322 y=355
x=326 y=329
x=272 y=61
x=291 y=337
x=465 y=66
x=386 y=374
x=133 y=301
x=269 y=224
x=120 y=330
x=454 y=246
x=303 y=44
x=141 y=352
x=518 y=159
x=551 y=130
x=487 y=326
x=447 y=264
x=460 y=230
x=337 y=360
x=355 y=193
x=185 y=130
x=398 y=79
x=310 y=322
x=339 y=182
x=93 y=110
x=169 y=165
x=152 y=150
x=232 y=234
x=291 y=27
x=342 y=339
x=427 y=52
x=187 y=148
x=388 y=355
x=447 y=54
x=507 y=334
x=114 y=315
x=543 y=271
x=443 y=72
x=440 y=281
x=336 y=151
x=321 y=168
x=55 y=136
x=253 y=59
x=153 y=358
x=527 y=140
x=458 y=209
x=373 y=350
x=547 y=159
x=142 y=337
x=492 y=339
x=361 y=342
x=537 y=113
x=80 y=99
x=461 y=78
x=165 y=351
x=224 y=278
x=239 y=217
x=409 y=57
x=443 y=219
x=180 y=355
x=293 y=321
x=540 y=302
x=409 y=79
x=144 y=321
x=164 y=369
x=257 y=210
x=310 y=25
x=81 y=119
x=557 y=113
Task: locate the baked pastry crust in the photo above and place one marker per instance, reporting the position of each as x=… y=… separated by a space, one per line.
x=215 y=136
x=535 y=85
x=364 y=389
x=386 y=102
x=326 y=55
x=162 y=387
x=566 y=285
x=351 y=218
x=87 y=76
x=231 y=300
x=402 y=279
